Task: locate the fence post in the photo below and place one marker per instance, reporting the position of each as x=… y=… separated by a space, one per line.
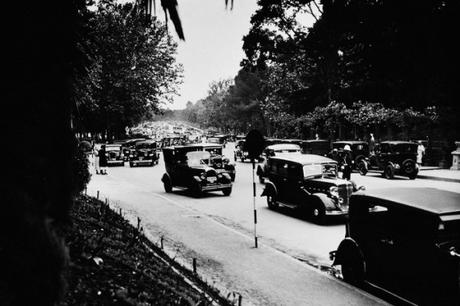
x=194 y=265
x=97 y=195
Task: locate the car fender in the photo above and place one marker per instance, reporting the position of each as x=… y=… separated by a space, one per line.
x=347 y=251
x=327 y=201
x=166 y=178
x=197 y=179
x=260 y=171
x=270 y=189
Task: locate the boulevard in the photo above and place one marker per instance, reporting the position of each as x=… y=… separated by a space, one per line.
x=139 y=193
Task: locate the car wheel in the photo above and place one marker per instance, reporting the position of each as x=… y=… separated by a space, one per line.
x=363 y=167
x=167 y=185
x=409 y=169
x=271 y=202
x=353 y=271
x=389 y=172
x=131 y=164
x=261 y=179
x=227 y=191
x=318 y=213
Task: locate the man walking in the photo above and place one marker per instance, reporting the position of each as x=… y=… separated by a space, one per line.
x=102 y=160
x=420 y=153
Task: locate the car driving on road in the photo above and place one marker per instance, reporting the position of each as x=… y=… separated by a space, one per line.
x=309 y=184
x=406 y=241
x=392 y=158
x=187 y=167
x=275 y=150
x=114 y=155
x=144 y=153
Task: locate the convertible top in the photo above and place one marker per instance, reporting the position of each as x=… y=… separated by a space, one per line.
x=432 y=200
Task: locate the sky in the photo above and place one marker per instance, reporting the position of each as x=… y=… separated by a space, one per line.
x=212 y=49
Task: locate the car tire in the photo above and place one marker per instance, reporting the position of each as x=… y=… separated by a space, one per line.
x=389 y=172
x=232 y=177
x=196 y=191
x=409 y=169
x=363 y=168
x=318 y=212
x=353 y=270
x=261 y=179
x=271 y=202
x=167 y=185
x=227 y=191
x=131 y=164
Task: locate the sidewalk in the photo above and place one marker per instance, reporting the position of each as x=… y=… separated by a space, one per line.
x=439 y=174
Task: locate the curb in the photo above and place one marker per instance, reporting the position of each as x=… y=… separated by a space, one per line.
x=437 y=178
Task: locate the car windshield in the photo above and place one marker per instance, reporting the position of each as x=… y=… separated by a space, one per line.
x=314 y=170
x=112 y=149
x=330 y=170
x=287 y=151
x=214 y=151
x=198 y=158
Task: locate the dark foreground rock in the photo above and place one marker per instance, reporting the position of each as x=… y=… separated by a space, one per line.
x=112 y=263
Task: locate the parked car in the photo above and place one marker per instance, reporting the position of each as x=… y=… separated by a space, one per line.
x=406 y=241
x=114 y=155
x=187 y=167
x=144 y=153
x=275 y=150
x=127 y=145
x=393 y=158
x=316 y=146
x=359 y=150
x=308 y=183
x=240 y=151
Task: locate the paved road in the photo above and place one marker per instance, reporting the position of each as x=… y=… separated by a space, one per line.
x=191 y=225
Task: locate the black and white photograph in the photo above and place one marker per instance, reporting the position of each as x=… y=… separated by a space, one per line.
x=230 y=153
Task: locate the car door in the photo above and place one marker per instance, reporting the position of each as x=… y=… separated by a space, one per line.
x=383 y=155
x=278 y=176
x=295 y=195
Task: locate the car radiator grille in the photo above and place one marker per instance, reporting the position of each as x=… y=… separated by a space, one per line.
x=345 y=192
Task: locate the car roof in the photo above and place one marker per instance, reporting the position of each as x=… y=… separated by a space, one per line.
x=149 y=141
x=304 y=159
x=398 y=142
x=315 y=140
x=349 y=142
x=196 y=145
x=284 y=146
x=432 y=200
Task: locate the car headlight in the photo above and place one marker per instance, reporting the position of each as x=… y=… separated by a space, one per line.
x=334 y=191
x=203 y=176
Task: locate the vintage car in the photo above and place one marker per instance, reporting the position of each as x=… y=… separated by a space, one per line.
x=240 y=152
x=308 y=183
x=187 y=167
x=218 y=160
x=144 y=153
x=218 y=139
x=316 y=146
x=393 y=158
x=406 y=241
x=359 y=150
x=127 y=145
x=114 y=155
x=275 y=150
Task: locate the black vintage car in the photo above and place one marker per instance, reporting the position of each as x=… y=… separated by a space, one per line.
x=218 y=160
x=359 y=150
x=144 y=153
x=406 y=241
x=187 y=167
x=393 y=158
x=127 y=145
x=275 y=150
x=316 y=146
x=309 y=183
x=240 y=151
x=114 y=155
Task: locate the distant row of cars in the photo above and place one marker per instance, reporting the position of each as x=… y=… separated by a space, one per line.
x=390 y=157
x=135 y=151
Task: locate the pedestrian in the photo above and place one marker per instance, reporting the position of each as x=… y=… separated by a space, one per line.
x=96 y=160
x=371 y=143
x=420 y=153
x=346 y=162
x=316 y=136
x=335 y=155
x=102 y=160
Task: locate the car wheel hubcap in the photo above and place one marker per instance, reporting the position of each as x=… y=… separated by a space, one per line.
x=316 y=212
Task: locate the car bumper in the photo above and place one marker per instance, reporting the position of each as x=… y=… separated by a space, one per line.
x=336 y=213
x=115 y=162
x=144 y=161
x=215 y=187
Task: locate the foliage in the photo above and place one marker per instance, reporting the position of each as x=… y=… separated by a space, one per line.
x=132 y=69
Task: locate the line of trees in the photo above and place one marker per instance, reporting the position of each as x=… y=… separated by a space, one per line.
x=131 y=69
x=363 y=66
